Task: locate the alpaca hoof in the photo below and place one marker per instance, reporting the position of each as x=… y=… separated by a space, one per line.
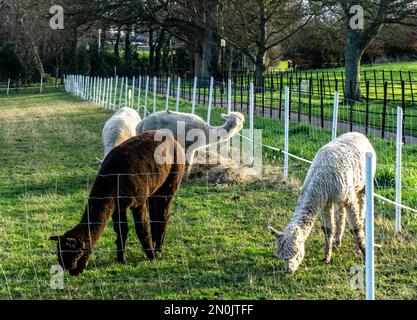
x=326 y=261
x=121 y=260
x=151 y=255
x=158 y=250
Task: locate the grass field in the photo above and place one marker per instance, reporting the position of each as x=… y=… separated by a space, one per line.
x=332 y=78
x=302 y=102
x=217 y=243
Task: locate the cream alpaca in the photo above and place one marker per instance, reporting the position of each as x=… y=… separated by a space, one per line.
x=119 y=128
x=335 y=185
x=192 y=127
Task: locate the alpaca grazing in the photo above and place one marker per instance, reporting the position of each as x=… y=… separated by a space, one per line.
x=191 y=131
x=335 y=185
x=119 y=128
x=130 y=177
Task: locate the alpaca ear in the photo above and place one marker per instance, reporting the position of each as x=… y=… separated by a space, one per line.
x=275 y=232
x=225 y=116
x=54 y=238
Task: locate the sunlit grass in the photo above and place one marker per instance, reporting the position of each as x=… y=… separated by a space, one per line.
x=217 y=247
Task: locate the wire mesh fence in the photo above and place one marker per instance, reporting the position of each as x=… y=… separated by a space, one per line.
x=217 y=245
x=15 y=86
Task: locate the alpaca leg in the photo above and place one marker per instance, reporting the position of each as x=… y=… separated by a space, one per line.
x=340 y=223
x=160 y=204
x=356 y=219
x=159 y=208
x=121 y=228
x=328 y=229
x=143 y=229
x=189 y=162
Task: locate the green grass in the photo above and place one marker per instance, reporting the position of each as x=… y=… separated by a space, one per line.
x=217 y=243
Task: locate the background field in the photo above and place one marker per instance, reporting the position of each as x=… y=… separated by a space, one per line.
x=217 y=243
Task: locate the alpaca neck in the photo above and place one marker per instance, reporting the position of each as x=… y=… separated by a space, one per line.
x=309 y=204
x=224 y=132
x=96 y=215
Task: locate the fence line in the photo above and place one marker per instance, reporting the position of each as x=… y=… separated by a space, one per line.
x=101 y=90
x=396 y=203
x=73 y=87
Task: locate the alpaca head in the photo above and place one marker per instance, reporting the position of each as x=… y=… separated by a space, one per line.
x=290 y=247
x=234 y=121
x=73 y=253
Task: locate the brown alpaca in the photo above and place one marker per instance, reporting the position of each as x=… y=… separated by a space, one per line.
x=129 y=177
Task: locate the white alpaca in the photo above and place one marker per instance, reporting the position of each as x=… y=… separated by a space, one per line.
x=119 y=128
x=191 y=131
x=335 y=184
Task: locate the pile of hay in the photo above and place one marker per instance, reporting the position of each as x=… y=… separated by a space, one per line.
x=226 y=172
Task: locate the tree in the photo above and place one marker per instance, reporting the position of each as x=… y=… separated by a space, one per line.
x=358 y=35
x=20 y=29
x=318 y=45
x=257 y=26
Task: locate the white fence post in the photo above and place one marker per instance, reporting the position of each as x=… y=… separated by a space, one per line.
x=8 y=86
x=398 y=165
x=146 y=96
x=194 y=95
x=167 y=96
x=154 y=94
x=369 y=230
x=108 y=90
x=286 y=130
x=95 y=90
x=81 y=87
x=251 y=104
x=177 y=102
x=105 y=86
x=126 y=104
x=100 y=90
x=210 y=100
x=104 y=92
x=87 y=87
x=41 y=90
x=229 y=96
x=139 y=89
x=132 y=104
x=115 y=92
x=110 y=93
x=335 y=113
x=121 y=92
x=100 y=93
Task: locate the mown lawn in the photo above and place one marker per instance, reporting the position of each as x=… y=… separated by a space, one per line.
x=217 y=245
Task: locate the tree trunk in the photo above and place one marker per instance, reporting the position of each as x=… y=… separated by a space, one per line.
x=165 y=55
x=207 y=62
x=117 y=44
x=353 y=56
x=158 y=51
x=229 y=75
x=259 y=69
x=260 y=55
x=151 y=51
x=127 y=45
x=198 y=62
